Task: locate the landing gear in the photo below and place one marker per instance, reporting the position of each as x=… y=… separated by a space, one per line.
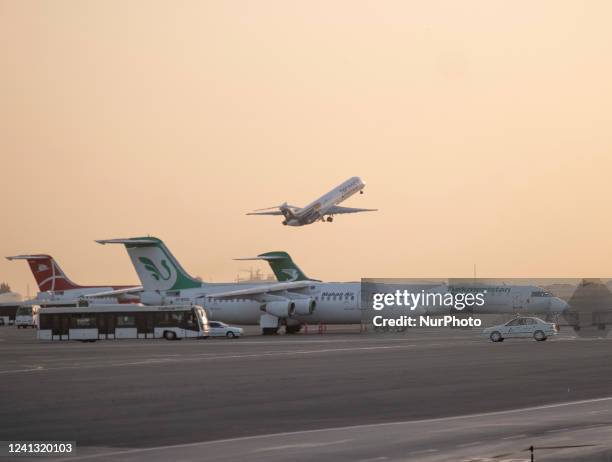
x=293 y=329
x=269 y=331
x=330 y=219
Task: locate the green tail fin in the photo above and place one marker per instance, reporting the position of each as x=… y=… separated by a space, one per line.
x=156 y=266
x=283 y=266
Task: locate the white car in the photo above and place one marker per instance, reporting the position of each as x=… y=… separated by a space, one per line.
x=220 y=329
x=522 y=328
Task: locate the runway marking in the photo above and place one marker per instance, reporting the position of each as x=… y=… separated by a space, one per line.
x=514 y=437
x=302 y=445
x=205 y=357
x=16 y=371
x=599 y=425
x=349 y=427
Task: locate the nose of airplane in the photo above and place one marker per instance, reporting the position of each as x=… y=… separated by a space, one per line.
x=558 y=305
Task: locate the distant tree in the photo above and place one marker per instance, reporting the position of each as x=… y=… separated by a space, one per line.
x=4 y=288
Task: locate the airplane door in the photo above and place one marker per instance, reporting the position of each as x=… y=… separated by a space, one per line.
x=517 y=303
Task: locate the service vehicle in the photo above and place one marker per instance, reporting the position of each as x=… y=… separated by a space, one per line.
x=522 y=327
x=122 y=321
x=27 y=316
x=220 y=329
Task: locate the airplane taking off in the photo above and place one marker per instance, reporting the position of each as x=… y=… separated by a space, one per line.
x=323 y=209
x=54 y=285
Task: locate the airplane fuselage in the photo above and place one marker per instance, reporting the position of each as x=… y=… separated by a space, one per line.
x=317 y=209
x=340 y=303
x=335 y=303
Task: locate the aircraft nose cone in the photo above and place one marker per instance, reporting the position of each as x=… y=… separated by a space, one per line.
x=557 y=305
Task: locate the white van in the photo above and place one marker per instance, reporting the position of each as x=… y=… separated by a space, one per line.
x=27 y=316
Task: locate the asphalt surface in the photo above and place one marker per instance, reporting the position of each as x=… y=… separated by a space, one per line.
x=126 y=397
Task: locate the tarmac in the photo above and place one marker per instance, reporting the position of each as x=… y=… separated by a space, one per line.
x=337 y=396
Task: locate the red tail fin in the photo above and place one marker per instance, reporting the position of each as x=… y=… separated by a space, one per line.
x=49 y=276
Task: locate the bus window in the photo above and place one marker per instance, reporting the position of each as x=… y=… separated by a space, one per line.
x=190 y=321
x=126 y=321
x=82 y=321
x=176 y=318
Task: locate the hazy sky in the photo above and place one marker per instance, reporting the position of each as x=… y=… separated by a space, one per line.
x=482 y=128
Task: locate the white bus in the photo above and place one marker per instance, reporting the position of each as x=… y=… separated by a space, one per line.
x=127 y=321
x=7 y=313
x=27 y=316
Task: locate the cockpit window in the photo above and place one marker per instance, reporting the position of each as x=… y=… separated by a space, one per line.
x=541 y=293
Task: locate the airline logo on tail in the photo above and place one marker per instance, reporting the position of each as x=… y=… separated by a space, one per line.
x=152 y=268
x=292 y=273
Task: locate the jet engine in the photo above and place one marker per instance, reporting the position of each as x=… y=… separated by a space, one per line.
x=280 y=309
x=305 y=306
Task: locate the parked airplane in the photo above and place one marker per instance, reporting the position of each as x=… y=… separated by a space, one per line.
x=289 y=303
x=499 y=298
x=54 y=285
x=324 y=208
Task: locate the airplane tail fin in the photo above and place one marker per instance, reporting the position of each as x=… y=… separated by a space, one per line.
x=287 y=211
x=157 y=268
x=48 y=274
x=282 y=265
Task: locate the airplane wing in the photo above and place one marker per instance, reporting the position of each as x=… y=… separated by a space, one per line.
x=272 y=212
x=337 y=209
x=262 y=289
x=113 y=293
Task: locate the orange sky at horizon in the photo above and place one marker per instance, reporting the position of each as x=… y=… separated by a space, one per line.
x=482 y=130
